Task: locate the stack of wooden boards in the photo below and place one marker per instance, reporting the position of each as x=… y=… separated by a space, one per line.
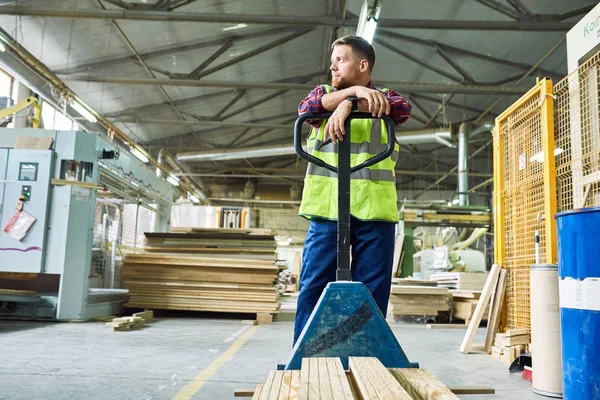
x=367 y=378
x=460 y=280
x=221 y=270
x=464 y=303
x=510 y=345
x=418 y=300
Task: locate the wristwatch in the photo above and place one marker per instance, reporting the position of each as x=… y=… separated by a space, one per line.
x=354 y=101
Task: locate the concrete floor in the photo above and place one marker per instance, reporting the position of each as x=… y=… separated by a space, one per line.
x=89 y=361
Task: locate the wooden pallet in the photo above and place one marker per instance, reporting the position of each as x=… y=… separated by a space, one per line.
x=325 y=378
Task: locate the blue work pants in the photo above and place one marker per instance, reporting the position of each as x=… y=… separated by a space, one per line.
x=372 y=258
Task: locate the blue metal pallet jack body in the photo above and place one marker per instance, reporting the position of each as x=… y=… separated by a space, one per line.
x=346 y=322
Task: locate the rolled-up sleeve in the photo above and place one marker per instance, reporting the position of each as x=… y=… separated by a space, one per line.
x=312 y=105
x=399 y=107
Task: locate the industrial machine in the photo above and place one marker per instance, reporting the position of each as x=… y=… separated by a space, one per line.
x=49 y=181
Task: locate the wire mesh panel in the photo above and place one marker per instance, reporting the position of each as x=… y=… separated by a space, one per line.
x=521 y=195
x=577 y=137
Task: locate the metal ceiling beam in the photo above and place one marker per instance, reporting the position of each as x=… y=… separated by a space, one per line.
x=422 y=63
x=188 y=46
x=533 y=68
x=141 y=60
x=149 y=15
x=262 y=100
x=255 y=103
x=189 y=100
x=217 y=124
x=464 y=52
x=418 y=87
x=449 y=103
x=254 y=52
x=521 y=9
x=501 y=8
x=195 y=74
x=419 y=106
x=418 y=119
x=468 y=77
x=228 y=105
x=181 y=102
x=577 y=12
x=439 y=110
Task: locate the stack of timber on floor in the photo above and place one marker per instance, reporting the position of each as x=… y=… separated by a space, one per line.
x=510 y=345
x=325 y=378
x=460 y=280
x=220 y=270
x=464 y=303
x=418 y=300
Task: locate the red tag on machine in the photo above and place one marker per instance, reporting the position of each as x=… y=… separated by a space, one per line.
x=20 y=223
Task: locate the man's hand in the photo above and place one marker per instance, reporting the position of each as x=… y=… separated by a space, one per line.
x=335 y=123
x=378 y=104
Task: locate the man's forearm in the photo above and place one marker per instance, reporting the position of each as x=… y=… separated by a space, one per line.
x=330 y=101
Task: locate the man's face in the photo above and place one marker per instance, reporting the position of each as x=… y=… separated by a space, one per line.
x=345 y=67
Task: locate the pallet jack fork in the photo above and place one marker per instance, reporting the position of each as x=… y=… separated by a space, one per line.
x=346 y=321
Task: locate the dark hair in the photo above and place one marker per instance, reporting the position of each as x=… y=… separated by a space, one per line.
x=360 y=47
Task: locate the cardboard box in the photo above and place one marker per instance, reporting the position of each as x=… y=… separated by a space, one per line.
x=33 y=143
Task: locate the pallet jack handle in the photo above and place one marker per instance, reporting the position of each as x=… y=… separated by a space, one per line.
x=344 y=170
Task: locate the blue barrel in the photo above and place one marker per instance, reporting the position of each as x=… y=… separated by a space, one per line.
x=579 y=286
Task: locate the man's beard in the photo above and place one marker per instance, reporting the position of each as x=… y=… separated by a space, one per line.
x=339 y=83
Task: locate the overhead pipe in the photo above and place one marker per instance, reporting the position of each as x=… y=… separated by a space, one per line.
x=465 y=132
x=463 y=163
x=409 y=137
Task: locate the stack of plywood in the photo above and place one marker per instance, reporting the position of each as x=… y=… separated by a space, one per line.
x=464 y=303
x=221 y=270
x=460 y=280
x=367 y=378
x=510 y=345
x=418 y=300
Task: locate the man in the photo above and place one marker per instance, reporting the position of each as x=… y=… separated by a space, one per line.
x=373 y=201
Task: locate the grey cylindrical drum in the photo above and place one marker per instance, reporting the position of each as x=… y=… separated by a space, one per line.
x=545 y=330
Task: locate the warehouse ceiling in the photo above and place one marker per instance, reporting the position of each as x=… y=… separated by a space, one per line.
x=189 y=75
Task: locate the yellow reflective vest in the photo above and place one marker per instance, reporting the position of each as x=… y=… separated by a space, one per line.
x=372 y=189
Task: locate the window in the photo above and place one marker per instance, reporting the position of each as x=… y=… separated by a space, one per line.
x=53 y=119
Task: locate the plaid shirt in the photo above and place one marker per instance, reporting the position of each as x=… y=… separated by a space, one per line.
x=399 y=107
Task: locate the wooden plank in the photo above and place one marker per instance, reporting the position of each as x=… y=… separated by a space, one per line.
x=472 y=390
x=374 y=381
x=295 y=385
x=304 y=379
x=266 y=390
x=276 y=386
x=494 y=318
x=286 y=385
x=421 y=384
x=479 y=310
x=244 y=392
x=446 y=326
x=398 y=244
x=14 y=292
x=517 y=332
x=147 y=315
x=340 y=387
x=258 y=392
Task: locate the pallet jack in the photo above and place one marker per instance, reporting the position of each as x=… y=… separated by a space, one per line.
x=346 y=321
